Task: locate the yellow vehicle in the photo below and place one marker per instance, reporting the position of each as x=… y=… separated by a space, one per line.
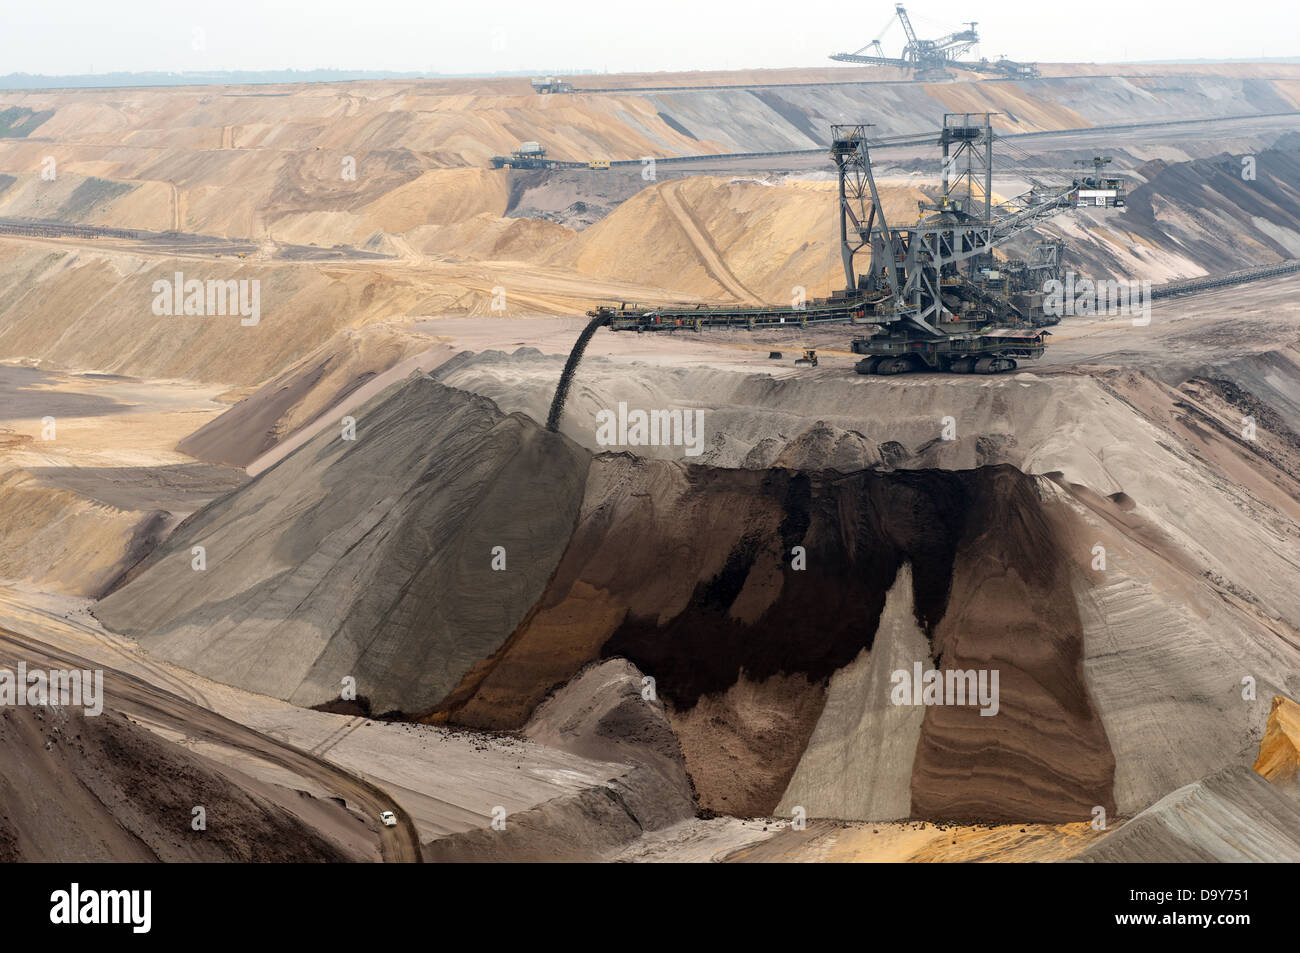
x=598 y=164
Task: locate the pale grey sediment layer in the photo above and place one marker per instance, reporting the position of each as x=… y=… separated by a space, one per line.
x=370 y=558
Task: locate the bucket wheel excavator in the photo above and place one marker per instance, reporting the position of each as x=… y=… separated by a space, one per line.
x=931 y=297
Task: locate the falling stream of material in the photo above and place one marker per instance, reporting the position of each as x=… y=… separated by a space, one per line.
x=570 y=366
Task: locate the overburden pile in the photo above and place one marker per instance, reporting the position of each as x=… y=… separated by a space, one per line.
x=461 y=564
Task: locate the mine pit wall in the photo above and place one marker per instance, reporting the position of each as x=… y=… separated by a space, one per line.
x=685 y=571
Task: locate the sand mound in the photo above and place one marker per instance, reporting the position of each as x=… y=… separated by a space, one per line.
x=370 y=558
x=88 y=480
x=826 y=841
x=78 y=530
x=576 y=829
x=66 y=542
x=335 y=162
x=684 y=570
x=605 y=714
x=1186 y=219
x=725 y=237
x=349 y=368
x=1234 y=816
x=93 y=309
x=72 y=792
x=1200 y=526
x=1279 y=750
x=721 y=238
x=600 y=715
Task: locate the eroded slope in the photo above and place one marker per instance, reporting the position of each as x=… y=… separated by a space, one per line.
x=370 y=558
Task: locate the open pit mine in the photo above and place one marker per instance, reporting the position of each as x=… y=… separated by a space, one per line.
x=891 y=461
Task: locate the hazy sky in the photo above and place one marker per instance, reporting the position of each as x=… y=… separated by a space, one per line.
x=78 y=36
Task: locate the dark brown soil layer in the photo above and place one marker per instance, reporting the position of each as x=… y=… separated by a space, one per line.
x=686 y=571
x=1044 y=756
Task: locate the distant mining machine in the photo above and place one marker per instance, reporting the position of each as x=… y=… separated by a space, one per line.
x=1008 y=68
x=529 y=155
x=551 y=84
x=933 y=296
